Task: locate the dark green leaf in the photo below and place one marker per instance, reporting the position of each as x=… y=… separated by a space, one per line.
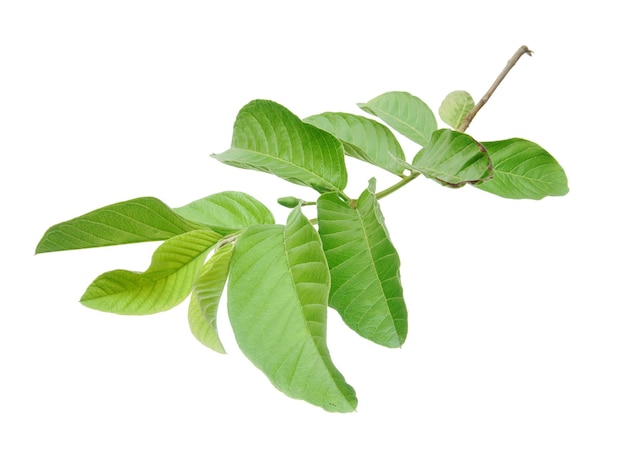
x=269 y=138
x=277 y=304
x=363 y=139
x=227 y=212
x=405 y=113
x=138 y=220
x=165 y=284
x=522 y=169
x=364 y=268
x=455 y=107
x=205 y=298
x=453 y=159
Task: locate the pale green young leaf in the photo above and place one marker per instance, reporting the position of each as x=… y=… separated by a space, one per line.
x=453 y=159
x=205 y=298
x=165 y=284
x=455 y=107
x=405 y=113
x=364 y=268
x=364 y=139
x=138 y=220
x=269 y=138
x=277 y=303
x=523 y=169
x=227 y=212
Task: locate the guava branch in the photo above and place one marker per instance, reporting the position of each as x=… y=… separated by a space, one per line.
x=523 y=50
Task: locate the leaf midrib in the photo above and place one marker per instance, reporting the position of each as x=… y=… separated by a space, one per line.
x=378 y=280
x=461 y=116
x=148 y=279
x=411 y=127
x=524 y=160
x=274 y=158
x=324 y=357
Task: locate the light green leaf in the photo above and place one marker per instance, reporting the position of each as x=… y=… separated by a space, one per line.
x=227 y=212
x=522 y=169
x=165 y=284
x=453 y=159
x=405 y=113
x=455 y=108
x=364 y=268
x=269 y=138
x=205 y=298
x=277 y=304
x=364 y=139
x=139 y=220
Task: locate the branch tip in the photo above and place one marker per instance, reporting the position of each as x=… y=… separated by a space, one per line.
x=518 y=54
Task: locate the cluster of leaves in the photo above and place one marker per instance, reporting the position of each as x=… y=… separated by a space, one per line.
x=282 y=278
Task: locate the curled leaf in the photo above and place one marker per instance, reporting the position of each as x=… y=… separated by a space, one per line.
x=205 y=298
x=165 y=284
x=455 y=107
x=453 y=159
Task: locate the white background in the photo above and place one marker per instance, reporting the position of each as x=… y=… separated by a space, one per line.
x=517 y=308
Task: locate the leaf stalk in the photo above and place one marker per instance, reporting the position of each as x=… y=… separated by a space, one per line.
x=404 y=181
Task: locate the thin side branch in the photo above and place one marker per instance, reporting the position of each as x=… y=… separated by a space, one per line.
x=404 y=181
x=518 y=54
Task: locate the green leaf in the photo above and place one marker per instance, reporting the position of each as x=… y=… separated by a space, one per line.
x=453 y=159
x=522 y=169
x=277 y=304
x=364 y=139
x=165 y=284
x=455 y=108
x=139 y=220
x=269 y=138
x=364 y=268
x=227 y=212
x=205 y=298
x=405 y=113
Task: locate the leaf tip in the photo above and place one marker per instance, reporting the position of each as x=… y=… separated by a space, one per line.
x=371 y=185
x=42 y=245
x=364 y=107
